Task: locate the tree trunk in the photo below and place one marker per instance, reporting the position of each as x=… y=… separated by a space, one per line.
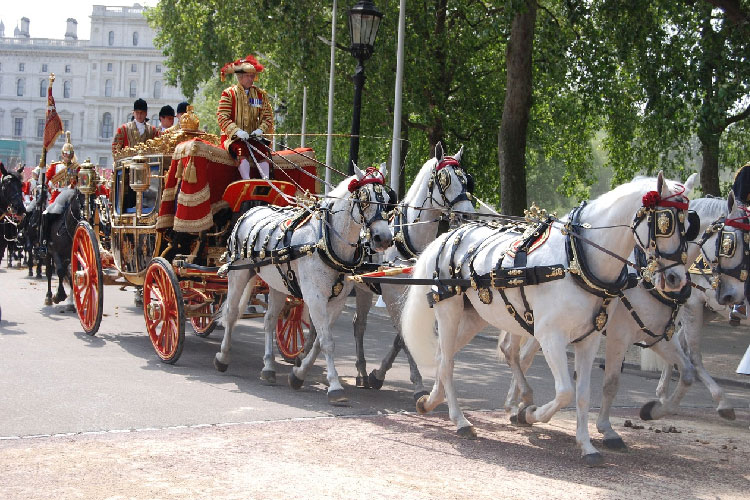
x=516 y=110
x=710 y=163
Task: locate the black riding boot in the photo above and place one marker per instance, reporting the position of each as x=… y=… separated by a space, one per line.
x=46 y=224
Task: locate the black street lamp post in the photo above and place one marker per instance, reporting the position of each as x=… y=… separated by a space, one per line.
x=364 y=21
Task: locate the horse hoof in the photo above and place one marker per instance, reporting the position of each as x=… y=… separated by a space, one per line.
x=48 y=301
x=419 y=395
x=727 y=413
x=615 y=443
x=337 y=398
x=268 y=376
x=421 y=404
x=294 y=382
x=374 y=381
x=467 y=432
x=363 y=382
x=222 y=367
x=594 y=459
x=647 y=409
x=522 y=417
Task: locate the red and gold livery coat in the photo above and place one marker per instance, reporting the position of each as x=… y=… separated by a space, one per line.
x=127 y=136
x=248 y=112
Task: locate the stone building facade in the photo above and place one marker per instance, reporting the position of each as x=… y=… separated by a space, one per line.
x=96 y=82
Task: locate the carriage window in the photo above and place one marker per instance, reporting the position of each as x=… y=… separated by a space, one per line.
x=117 y=188
x=151 y=194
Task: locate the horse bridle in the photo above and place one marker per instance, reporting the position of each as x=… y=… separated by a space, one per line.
x=442 y=180
x=662 y=223
x=726 y=247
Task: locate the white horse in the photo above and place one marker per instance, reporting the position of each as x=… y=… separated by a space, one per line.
x=307 y=255
x=572 y=282
x=649 y=318
x=440 y=187
x=727 y=271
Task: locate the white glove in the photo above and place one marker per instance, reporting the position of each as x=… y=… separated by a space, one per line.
x=257 y=132
x=241 y=134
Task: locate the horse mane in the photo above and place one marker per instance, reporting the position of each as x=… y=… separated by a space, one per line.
x=342 y=190
x=418 y=182
x=709 y=207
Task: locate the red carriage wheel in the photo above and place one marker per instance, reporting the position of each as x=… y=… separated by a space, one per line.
x=86 y=273
x=204 y=325
x=164 y=310
x=290 y=329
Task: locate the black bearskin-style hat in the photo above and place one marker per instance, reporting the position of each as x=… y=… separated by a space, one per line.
x=140 y=105
x=166 y=111
x=741 y=186
x=182 y=107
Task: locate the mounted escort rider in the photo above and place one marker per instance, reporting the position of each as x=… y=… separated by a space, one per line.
x=244 y=107
x=62 y=177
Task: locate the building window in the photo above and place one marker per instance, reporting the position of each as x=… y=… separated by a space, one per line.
x=40 y=128
x=158 y=68
x=103 y=161
x=21 y=66
x=66 y=88
x=133 y=68
x=67 y=68
x=107 y=125
x=108 y=88
x=133 y=89
x=37 y=159
x=157 y=90
x=111 y=38
x=135 y=39
x=109 y=66
x=44 y=68
x=17 y=127
x=20 y=86
x=155 y=120
x=43 y=83
x=66 y=124
x=94 y=66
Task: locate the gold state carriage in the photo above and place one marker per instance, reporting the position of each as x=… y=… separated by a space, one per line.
x=173 y=201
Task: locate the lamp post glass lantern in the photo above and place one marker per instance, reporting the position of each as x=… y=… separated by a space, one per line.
x=364 y=21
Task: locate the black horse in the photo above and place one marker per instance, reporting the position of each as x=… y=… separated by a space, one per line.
x=29 y=235
x=11 y=198
x=60 y=246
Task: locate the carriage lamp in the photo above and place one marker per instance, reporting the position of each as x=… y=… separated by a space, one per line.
x=364 y=21
x=139 y=179
x=87 y=184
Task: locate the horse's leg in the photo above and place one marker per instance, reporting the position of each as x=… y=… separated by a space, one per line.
x=48 y=298
x=585 y=350
x=238 y=281
x=520 y=391
x=617 y=344
x=553 y=345
x=62 y=272
x=359 y=322
x=672 y=353
x=276 y=302
x=691 y=335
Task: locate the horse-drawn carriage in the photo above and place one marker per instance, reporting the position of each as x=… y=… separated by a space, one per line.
x=172 y=204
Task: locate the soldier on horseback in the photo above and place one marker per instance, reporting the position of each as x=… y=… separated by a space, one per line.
x=62 y=178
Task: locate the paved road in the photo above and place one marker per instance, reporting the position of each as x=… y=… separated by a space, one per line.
x=90 y=394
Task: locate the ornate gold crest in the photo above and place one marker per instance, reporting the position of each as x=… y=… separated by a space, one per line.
x=485 y=295
x=336 y=290
x=727 y=244
x=663 y=223
x=444 y=179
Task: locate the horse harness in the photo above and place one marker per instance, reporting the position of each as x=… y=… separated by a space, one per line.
x=281 y=252
x=662 y=223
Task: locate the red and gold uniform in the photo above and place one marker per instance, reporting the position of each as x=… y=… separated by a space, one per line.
x=244 y=109
x=127 y=135
x=61 y=176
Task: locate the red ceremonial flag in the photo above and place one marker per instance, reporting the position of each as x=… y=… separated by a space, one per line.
x=53 y=126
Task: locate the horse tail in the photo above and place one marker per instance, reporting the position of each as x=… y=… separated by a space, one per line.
x=418 y=318
x=650 y=361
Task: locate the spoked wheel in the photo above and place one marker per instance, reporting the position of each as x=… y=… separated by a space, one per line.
x=203 y=325
x=164 y=310
x=86 y=273
x=290 y=329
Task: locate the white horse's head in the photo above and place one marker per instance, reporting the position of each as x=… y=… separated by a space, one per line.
x=372 y=199
x=729 y=253
x=659 y=228
x=450 y=186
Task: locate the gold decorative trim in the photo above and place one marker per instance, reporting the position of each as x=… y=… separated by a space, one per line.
x=203 y=150
x=194 y=226
x=194 y=199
